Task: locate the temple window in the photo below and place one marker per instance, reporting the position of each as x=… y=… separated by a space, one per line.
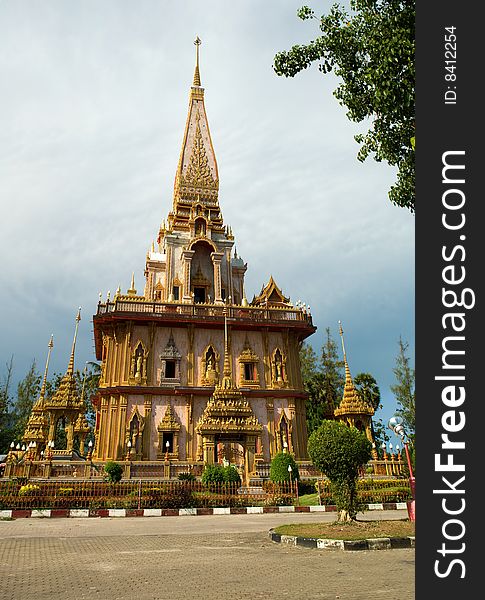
x=170 y=358
x=199 y=295
x=248 y=371
x=170 y=369
x=176 y=292
x=248 y=361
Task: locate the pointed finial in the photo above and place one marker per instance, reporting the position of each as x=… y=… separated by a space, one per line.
x=132 y=290
x=341 y=332
x=196 y=82
x=50 y=345
x=70 y=367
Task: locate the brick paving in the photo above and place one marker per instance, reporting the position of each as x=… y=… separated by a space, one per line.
x=184 y=557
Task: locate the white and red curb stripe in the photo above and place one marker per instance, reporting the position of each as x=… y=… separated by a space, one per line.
x=177 y=512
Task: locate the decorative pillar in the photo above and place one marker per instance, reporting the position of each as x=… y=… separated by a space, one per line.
x=249 y=458
x=208 y=449
x=270 y=418
x=216 y=261
x=187 y=256
x=103 y=429
x=147 y=430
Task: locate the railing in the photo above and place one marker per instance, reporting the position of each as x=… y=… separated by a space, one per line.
x=95 y=495
x=175 y=310
x=391 y=467
x=370 y=491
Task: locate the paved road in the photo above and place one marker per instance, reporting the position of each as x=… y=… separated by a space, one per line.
x=223 y=557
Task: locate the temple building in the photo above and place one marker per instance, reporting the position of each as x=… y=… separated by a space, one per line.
x=192 y=372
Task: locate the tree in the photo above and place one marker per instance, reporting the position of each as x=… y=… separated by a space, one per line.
x=278 y=470
x=27 y=393
x=332 y=366
x=323 y=379
x=404 y=389
x=5 y=405
x=367 y=388
x=114 y=471
x=339 y=451
x=372 y=50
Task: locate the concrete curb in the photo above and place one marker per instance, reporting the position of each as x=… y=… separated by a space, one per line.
x=330 y=544
x=176 y=512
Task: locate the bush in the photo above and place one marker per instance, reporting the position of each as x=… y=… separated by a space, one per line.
x=213 y=474
x=278 y=470
x=186 y=477
x=339 y=452
x=231 y=474
x=114 y=471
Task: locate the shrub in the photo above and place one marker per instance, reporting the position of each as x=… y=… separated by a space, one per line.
x=114 y=471
x=339 y=451
x=231 y=474
x=278 y=470
x=65 y=491
x=186 y=477
x=213 y=474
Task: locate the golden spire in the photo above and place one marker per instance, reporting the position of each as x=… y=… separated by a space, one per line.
x=132 y=290
x=70 y=367
x=227 y=382
x=50 y=345
x=351 y=401
x=196 y=82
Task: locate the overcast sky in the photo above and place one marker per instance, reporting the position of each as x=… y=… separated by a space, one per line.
x=93 y=102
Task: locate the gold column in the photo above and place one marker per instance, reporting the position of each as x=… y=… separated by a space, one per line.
x=216 y=262
x=120 y=440
x=208 y=448
x=103 y=427
x=187 y=256
x=266 y=359
x=270 y=418
x=168 y=274
x=147 y=431
x=112 y=427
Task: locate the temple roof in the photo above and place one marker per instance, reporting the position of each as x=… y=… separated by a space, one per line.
x=270 y=294
x=352 y=403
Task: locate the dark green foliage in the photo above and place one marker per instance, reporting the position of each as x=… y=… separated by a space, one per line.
x=372 y=50
x=231 y=475
x=213 y=474
x=6 y=420
x=114 y=471
x=339 y=451
x=186 y=477
x=323 y=380
x=278 y=470
x=27 y=393
x=404 y=390
x=219 y=474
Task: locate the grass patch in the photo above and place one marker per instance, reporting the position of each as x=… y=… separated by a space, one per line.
x=357 y=530
x=308 y=500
